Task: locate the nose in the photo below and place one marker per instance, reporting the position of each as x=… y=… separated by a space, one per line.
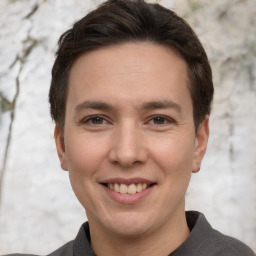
x=127 y=147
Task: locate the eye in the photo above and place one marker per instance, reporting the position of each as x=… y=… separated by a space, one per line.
x=160 y=120
x=94 y=120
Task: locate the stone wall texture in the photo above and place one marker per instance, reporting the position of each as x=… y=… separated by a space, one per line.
x=38 y=211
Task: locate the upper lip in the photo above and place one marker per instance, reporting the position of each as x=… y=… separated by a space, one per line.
x=125 y=181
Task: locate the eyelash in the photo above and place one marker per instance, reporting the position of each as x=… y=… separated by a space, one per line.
x=164 y=119
x=89 y=120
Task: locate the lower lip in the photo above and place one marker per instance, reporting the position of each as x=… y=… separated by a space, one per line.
x=128 y=198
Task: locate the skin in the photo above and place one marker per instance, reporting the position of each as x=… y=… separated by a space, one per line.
x=129 y=115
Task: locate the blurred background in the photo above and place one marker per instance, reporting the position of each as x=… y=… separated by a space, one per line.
x=38 y=211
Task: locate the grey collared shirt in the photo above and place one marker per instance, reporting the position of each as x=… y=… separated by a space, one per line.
x=203 y=241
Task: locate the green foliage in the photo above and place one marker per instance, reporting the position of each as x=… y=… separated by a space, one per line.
x=5 y=104
x=195 y=5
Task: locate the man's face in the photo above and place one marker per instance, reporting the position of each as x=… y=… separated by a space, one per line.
x=129 y=126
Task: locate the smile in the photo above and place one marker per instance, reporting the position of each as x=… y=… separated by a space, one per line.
x=128 y=189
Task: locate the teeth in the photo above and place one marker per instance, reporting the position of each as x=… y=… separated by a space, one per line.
x=123 y=189
x=131 y=189
x=139 y=188
x=116 y=187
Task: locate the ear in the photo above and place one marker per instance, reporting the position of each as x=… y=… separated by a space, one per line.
x=60 y=146
x=201 y=141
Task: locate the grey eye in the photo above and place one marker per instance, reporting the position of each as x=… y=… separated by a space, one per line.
x=159 y=120
x=97 y=120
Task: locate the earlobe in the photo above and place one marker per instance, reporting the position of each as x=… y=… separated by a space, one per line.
x=201 y=141
x=59 y=141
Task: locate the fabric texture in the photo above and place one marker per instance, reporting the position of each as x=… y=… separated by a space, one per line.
x=203 y=241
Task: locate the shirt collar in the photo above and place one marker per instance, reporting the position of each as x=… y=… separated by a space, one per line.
x=196 y=221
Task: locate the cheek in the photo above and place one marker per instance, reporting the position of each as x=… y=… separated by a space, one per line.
x=84 y=155
x=175 y=157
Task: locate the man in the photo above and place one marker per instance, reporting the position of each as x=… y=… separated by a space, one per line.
x=131 y=95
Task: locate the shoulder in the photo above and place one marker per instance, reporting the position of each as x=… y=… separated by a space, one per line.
x=218 y=244
x=65 y=250
x=79 y=246
x=204 y=240
x=229 y=246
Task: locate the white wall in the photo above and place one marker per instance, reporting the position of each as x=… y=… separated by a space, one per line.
x=38 y=211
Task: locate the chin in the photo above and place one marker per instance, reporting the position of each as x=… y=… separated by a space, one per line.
x=130 y=225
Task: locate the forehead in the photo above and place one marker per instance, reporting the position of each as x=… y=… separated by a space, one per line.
x=131 y=55
x=138 y=70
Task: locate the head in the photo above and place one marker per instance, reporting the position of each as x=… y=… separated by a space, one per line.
x=130 y=86
x=119 y=21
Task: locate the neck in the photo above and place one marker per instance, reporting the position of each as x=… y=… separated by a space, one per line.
x=160 y=242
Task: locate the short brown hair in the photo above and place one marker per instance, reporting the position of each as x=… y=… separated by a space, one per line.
x=120 y=21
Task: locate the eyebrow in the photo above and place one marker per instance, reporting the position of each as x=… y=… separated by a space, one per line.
x=99 y=105
x=161 y=105
x=94 y=105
